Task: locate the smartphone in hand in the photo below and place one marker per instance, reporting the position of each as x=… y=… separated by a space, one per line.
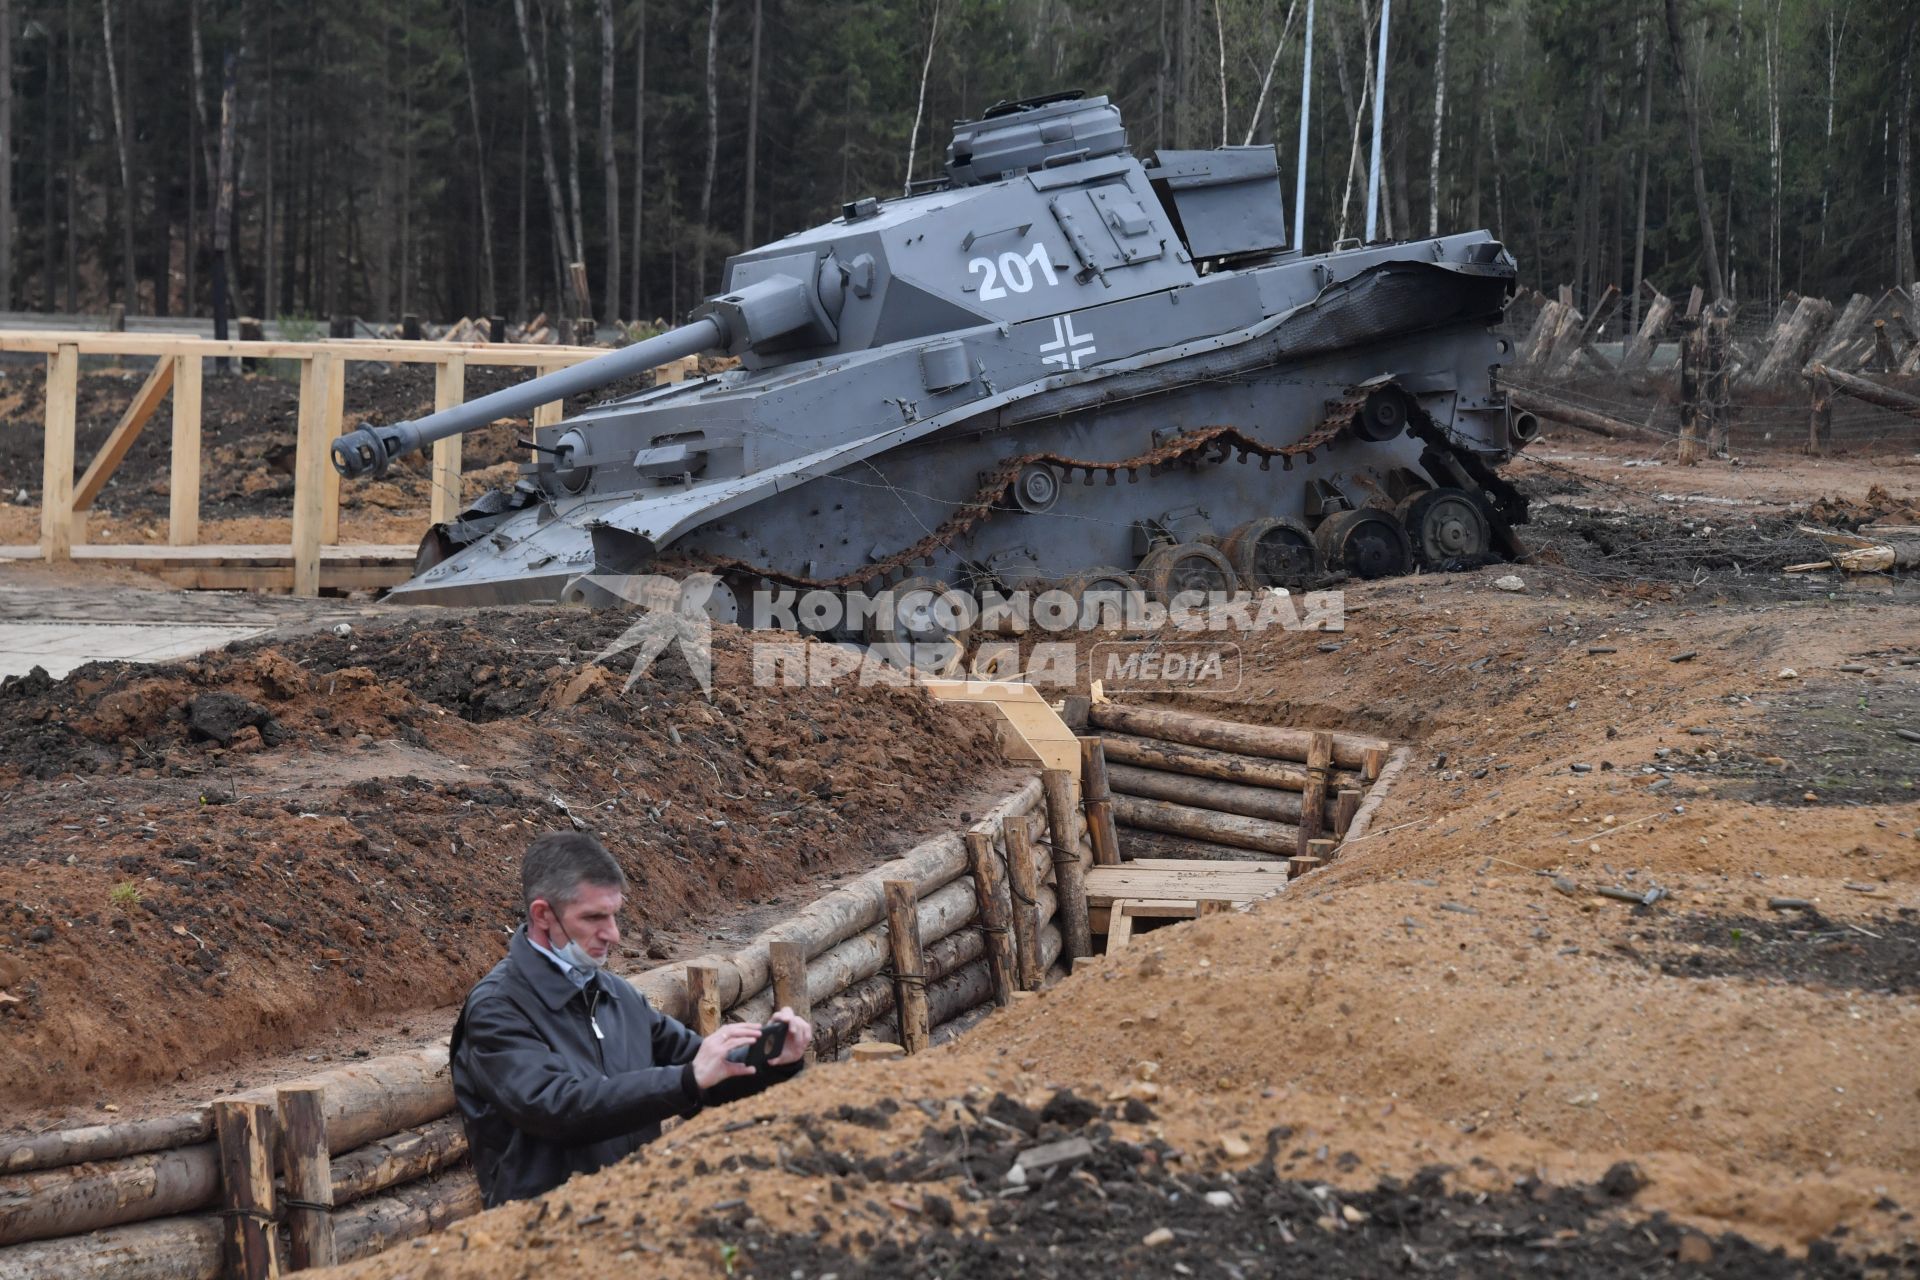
x=773 y=1039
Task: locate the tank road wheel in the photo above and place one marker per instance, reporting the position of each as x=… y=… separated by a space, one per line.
x=1102 y=594
x=1186 y=566
x=913 y=616
x=1446 y=526
x=1273 y=552
x=1368 y=543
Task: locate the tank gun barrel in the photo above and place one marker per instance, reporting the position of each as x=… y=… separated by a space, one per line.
x=369 y=449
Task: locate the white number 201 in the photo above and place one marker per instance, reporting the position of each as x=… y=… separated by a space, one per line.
x=1012 y=269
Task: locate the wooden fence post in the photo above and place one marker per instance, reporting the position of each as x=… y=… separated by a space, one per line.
x=1820 y=417
x=1099 y=803
x=333 y=417
x=309 y=456
x=449 y=389
x=309 y=1173
x=1346 y=803
x=1313 y=799
x=245 y=1132
x=1692 y=356
x=1023 y=886
x=787 y=961
x=183 y=485
x=1069 y=878
x=909 y=964
x=56 y=471
x=990 y=889
x=703 y=997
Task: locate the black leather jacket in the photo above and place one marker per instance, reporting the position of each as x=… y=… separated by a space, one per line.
x=543 y=1096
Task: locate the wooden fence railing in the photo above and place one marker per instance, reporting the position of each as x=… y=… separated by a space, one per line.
x=178 y=362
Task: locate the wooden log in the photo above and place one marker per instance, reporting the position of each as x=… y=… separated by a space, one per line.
x=1695 y=297
x=404 y=1157
x=1820 y=417
x=1796 y=341
x=381 y=1222
x=184 y=1248
x=309 y=1175
x=448 y=495
x=1865 y=389
x=1345 y=804
x=1321 y=850
x=909 y=966
x=1023 y=888
x=840 y=1019
x=245 y=1132
x=824 y=923
x=68 y=1201
x=1205 y=824
x=1144 y=844
x=1640 y=352
x=147 y=399
x=788 y=963
x=1203 y=762
x=1590 y=328
x=991 y=887
x=1563 y=342
x=1069 y=877
x=967 y=988
x=1204 y=793
x=1227 y=735
x=1373 y=764
x=1299 y=865
x=105 y=1141
x=1843 y=329
x=183 y=485
x=56 y=462
x=1693 y=354
x=1544 y=323
x=1313 y=801
x=703 y=997
x=1097 y=799
x=1558 y=410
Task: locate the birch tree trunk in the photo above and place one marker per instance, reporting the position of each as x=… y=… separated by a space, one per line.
x=753 y=131
x=639 y=155
x=920 y=108
x=570 y=51
x=1266 y=83
x=129 y=295
x=713 y=147
x=489 y=280
x=1439 y=117
x=1220 y=39
x=609 y=165
x=536 y=86
x=1708 y=248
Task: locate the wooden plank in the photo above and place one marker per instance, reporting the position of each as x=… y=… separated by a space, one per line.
x=449 y=389
x=309 y=494
x=183 y=485
x=1229 y=882
x=333 y=418
x=245 y=1131
x=309 y=1173
x=1144 y=909
x=124 y=433
x=56 y=469
x=96 y=343
x=1038 y=732
x=909 y=964
x=1274 y=866
x=1119 y=928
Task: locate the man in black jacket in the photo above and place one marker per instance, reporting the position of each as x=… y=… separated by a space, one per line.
x=560 y=1067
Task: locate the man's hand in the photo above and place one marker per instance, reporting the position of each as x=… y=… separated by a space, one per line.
x=799 y=1036
x=710 y=1065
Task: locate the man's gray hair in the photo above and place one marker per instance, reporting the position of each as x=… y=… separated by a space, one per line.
x=559 y=862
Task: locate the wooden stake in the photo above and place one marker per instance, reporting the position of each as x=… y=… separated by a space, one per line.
x=1345 y=805
x=1313 y=801
x=245 y=1131
x=1321 y=850
x=183 y=487
x=1099 y=803
x=1069 y=878
x=787 y=963
x=449 y=389
x=703 y=997
x=124 y=433
x=333 y=417
x=309 y=1172
x=309 y=487
x=1820 y=417
x=56 y=471
x=909 y=964
x=1373 y=763
x=991 y=889
x=1299 y=866
x=1023 y=886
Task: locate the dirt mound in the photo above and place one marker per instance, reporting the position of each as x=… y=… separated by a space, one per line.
x=1879 y=507
x=237 y=852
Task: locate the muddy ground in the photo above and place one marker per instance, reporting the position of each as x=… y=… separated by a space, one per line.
x=1444 y=1053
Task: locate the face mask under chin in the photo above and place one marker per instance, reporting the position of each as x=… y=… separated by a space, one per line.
x=576 y=955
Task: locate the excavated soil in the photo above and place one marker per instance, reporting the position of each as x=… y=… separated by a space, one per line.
x=236 y=854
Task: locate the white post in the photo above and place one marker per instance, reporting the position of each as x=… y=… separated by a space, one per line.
x=1379 y=107
x=1300 y=181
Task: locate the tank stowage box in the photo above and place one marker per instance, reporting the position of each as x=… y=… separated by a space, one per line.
x=1061 y=365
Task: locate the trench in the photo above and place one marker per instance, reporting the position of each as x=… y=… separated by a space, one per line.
x=1129 y=818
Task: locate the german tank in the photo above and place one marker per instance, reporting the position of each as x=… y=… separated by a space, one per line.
x=1059 y=365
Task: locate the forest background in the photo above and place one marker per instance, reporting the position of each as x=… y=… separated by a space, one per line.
x=450 y=157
